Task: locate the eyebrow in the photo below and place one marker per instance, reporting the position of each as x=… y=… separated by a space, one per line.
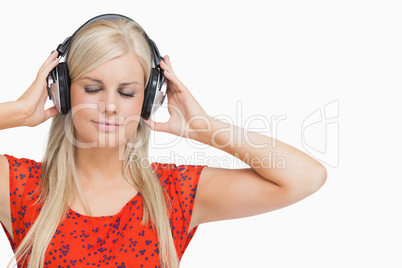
x=101 y=82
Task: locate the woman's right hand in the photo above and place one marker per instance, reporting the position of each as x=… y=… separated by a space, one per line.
x=32 y=102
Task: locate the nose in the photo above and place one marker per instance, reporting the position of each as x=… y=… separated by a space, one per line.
x=108 y=105
x=111 y=108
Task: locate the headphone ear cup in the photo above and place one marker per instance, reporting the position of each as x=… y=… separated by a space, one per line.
x=150 y=92
x=64 y=88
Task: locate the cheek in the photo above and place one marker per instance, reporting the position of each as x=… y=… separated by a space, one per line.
x=84 y=129
x=131 y=110
x=74 y=95
x=82 y=108
x=130 y=129
x=133 y=116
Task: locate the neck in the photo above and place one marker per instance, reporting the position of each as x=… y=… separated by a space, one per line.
x=100 y=165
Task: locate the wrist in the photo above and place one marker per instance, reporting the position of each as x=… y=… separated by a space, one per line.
x=12 y=115
x=212 y=131
x=20 y=114
x=200 y=128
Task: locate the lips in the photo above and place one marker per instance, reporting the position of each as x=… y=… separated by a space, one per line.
x=106 y=126
x=106 y=123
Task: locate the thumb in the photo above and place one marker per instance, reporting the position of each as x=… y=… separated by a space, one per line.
x=51 y=112
x=150 y=123
x=162 y=127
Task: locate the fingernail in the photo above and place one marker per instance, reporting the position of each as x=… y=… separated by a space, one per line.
x=52 y=52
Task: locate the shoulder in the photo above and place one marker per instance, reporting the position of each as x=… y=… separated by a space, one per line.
x=20 y=170
x=21 y=163
x=178 y=177
x=18 y=177
x=23 y=166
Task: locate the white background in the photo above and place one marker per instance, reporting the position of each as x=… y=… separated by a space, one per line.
x=276 y=58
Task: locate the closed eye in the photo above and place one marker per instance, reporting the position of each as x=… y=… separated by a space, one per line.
x=92 y=90
x=126 y=95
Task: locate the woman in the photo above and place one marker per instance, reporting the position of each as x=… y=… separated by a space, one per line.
x=95 y=199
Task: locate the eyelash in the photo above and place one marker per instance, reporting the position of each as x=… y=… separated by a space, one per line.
x=121 y=93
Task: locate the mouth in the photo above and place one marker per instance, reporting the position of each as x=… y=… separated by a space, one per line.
x=107 y=123
x=106 y=126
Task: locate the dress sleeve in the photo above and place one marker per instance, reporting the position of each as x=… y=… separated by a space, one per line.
x=181 y=184
x=24 y=178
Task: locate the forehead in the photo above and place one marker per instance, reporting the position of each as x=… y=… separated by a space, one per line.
x=122 y=68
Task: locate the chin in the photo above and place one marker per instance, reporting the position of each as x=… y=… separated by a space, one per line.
x=94 y=138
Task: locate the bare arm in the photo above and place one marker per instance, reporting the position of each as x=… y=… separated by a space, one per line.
x=28 y=110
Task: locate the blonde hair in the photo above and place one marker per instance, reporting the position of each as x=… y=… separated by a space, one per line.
x=93 y=45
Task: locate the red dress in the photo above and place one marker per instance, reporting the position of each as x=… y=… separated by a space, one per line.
x=108 y=241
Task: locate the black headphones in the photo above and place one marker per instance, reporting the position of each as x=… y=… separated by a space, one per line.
x=58 y=81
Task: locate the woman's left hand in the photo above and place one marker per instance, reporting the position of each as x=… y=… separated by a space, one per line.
x=186 y=115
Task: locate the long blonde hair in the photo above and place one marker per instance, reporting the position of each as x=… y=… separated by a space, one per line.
x=93 y=45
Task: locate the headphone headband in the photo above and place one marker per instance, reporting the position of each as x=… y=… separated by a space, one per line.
x=62 y=48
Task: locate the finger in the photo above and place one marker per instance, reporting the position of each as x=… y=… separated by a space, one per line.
x=174 y=84
x=49 y=113
x=167 y=60
x=50 y=59
x=166 y=65
x=149 y=123
x=170 y=76
x=162 y=127
x=46 y=70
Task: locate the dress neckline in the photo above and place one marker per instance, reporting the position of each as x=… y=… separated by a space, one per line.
x=71 y=211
